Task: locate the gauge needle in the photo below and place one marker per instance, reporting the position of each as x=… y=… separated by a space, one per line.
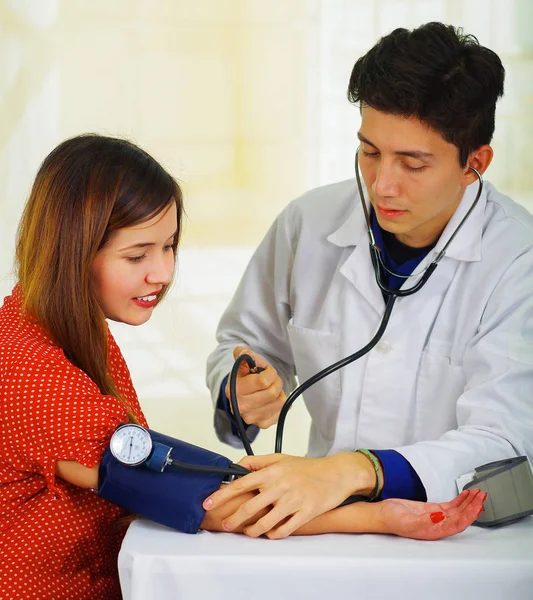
x=131 y=444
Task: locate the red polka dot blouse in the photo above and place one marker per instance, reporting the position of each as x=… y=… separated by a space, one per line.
x=58 y=541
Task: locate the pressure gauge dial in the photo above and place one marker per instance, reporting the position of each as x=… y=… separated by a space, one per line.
x=131 y=444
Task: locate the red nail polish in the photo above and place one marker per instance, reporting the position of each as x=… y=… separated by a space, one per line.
x=481 y=509
x=437 y=517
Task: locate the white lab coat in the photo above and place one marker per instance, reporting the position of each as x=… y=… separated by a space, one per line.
x=449 y=386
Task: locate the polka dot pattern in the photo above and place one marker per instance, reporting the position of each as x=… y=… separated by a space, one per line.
x=58 y=541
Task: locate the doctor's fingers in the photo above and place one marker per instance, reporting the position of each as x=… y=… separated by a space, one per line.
x=278 y=523
x=290 y=511
x=255 y=382
x=266 y=416
x=250 y=383
x=249 y=483
x=287 y=510
x=257 y=462
x=261 y=408
x=287 y=526
x=253 y=510
x=260 y=361
x=286 y=499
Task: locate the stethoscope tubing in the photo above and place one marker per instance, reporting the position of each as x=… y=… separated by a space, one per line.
x=392 y=295
x=331 y=369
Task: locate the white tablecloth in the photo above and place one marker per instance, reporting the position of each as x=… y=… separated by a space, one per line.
x=161 y=564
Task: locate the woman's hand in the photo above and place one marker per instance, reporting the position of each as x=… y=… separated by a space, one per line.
x=429 y=520
x=294 y=490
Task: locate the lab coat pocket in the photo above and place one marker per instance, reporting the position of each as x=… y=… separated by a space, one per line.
x=314 y=350
x=440 y=383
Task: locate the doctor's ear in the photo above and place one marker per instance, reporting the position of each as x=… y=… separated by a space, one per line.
x=480 y=159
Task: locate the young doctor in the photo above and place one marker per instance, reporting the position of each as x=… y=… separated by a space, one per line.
x=449 y=386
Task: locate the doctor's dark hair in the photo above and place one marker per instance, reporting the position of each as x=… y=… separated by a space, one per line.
x=86 y=189
x=437 y=74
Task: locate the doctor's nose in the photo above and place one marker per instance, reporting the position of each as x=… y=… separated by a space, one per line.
x=385 y=184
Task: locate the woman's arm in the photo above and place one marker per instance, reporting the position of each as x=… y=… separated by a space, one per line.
x=77 y=474
x=294 y=489
x=405 y=518
x=87 y=478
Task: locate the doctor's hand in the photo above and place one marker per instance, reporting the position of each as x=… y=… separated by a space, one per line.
x=294 y=489
x=260 y=396
x=213 y=519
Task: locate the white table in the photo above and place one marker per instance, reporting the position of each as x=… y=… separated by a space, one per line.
x=159 y=563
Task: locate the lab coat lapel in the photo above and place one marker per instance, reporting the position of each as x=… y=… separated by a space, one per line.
x=467 y=243
x=423 y=307
x=357 y=267
x=466 y=246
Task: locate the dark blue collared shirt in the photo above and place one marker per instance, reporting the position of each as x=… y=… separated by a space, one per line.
x=401 y=480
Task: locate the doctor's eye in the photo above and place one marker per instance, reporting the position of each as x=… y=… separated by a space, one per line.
x=370 y=154
x=414 y=169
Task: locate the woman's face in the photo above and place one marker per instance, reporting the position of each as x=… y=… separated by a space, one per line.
x=131 y=270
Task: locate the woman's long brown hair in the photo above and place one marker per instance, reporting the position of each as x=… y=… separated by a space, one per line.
x=86 y=189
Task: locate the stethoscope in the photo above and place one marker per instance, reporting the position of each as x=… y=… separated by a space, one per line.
x=132 y=445
x=392 y=295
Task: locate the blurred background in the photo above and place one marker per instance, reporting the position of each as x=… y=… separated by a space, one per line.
x=244 y=101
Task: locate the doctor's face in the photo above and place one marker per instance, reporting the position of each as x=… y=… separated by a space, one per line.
x=131 y=270
x=412 y=174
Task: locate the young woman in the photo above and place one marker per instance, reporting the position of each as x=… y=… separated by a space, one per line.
x=98 y=240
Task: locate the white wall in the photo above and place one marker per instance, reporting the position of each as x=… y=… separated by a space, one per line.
x=245 y=102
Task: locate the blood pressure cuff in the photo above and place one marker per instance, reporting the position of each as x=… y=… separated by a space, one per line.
x=173 y=497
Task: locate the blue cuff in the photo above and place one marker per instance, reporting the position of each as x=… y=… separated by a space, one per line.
x=223 y=404
x=173 y=497
x=401 y=480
